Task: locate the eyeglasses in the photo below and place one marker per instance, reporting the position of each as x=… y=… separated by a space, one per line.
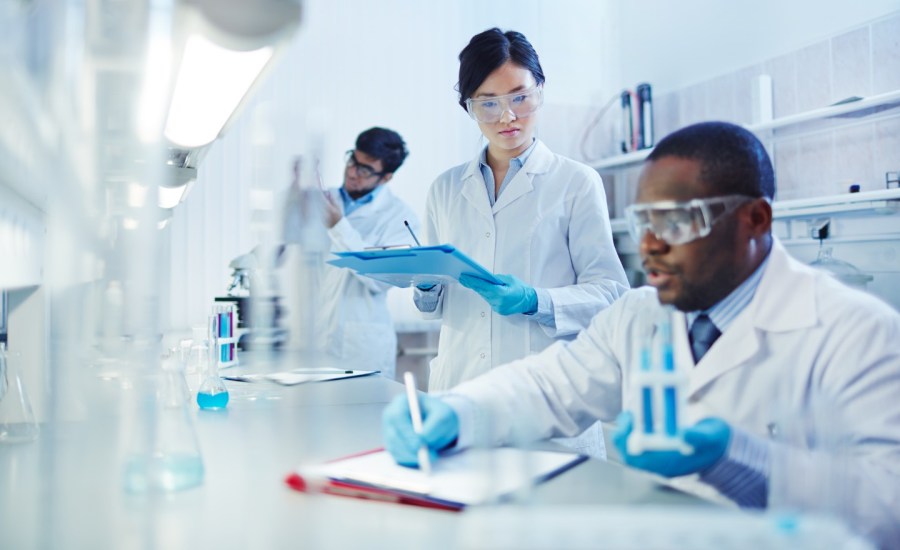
x=680 y=222
x=362 y=170
x=491 y=109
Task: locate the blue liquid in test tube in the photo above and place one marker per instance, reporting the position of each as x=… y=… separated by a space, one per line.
x=671 y=412
x=647 y=394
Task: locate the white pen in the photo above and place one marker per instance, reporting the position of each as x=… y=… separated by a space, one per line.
x=416 y=414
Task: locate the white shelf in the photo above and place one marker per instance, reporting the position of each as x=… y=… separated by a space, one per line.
x=621 y=161
x=887 y=100
x=886 y=201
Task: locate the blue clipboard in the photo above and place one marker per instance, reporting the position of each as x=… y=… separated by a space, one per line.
x=420 y=265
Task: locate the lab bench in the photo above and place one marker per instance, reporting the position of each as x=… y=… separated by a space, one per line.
x=65 y=490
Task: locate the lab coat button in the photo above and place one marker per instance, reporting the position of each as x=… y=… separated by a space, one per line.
x=482 y=314
x=482 y=356
x=488 y=234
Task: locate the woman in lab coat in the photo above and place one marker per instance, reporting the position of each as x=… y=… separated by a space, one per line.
x=538 y=219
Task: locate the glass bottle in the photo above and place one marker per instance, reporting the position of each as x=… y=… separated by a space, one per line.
x=17 y=420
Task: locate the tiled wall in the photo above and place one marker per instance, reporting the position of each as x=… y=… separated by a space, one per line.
x=815 y=159
x=810 y=160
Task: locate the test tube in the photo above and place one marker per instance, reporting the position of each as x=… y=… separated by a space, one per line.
x=671 y=386
x=647 y=391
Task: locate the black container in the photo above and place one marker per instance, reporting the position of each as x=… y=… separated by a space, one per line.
x=627 y=144
x=645 y=116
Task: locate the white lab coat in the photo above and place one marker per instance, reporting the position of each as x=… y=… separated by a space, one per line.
x=550 y=228
x=804 y=338
x=355 y=322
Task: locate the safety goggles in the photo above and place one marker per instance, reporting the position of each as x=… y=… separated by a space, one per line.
x=520 y=104
x=362 y=170
x=680 y=222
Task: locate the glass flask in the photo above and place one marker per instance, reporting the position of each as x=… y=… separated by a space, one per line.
x=212 y=395
x=17 y=420
x=843 y=271
x=167 y=457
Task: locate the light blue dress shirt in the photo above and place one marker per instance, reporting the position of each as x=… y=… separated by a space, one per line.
x=350 y=204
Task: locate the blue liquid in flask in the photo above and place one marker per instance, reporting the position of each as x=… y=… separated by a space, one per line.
x=174 y=472
x=212 y=401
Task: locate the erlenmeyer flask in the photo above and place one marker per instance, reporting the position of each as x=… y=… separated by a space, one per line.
x=17 y=421
x=167 y=456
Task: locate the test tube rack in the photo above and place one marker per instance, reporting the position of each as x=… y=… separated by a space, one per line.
x=661 y=387
x=226 y=341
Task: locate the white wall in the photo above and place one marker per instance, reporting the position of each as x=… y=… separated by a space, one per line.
x=674 y=44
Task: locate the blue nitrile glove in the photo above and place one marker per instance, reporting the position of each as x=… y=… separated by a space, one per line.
x=513 y=296
x=440 y=428
x=709 y=438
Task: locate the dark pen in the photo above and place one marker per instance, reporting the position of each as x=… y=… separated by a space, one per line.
x=406 y=223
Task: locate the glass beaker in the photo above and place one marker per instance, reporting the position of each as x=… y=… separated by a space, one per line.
x=17 y=420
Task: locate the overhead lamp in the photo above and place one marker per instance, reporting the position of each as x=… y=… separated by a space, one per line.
x=211 y=82
x=176 y=186
x=227 y=44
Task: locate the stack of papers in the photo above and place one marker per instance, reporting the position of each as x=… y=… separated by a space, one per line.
x=457 y=480
x=300 y=376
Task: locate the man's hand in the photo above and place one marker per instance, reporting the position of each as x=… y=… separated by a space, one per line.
x=440 y=428
x=333 y=211
x=709 y=438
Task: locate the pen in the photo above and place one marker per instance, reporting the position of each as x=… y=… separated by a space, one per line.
x=416 y=414
x=406 y=223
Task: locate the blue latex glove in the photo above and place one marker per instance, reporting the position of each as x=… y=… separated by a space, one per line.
x=709 y=438
x=440 y=428
x=513 y=296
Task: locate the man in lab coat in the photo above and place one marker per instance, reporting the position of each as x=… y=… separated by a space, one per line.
x=354 y=320
x=793 y=393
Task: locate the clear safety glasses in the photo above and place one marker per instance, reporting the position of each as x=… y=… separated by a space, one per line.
x=680 y=222
x=520 y=104
x=362 y=170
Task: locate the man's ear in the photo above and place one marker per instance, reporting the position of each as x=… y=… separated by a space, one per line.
x=386 y=178
x=759 y=216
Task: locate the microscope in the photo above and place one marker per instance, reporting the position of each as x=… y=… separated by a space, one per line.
x=254 y=292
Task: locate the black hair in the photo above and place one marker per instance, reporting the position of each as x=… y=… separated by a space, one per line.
x=385 y=145
x=734 y=161
x=489 y=50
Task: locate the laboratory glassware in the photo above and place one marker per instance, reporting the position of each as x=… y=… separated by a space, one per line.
x=223 y=339
x=167 y=457
x=17 y=421
x=660 y=387
x=843 y=271
x=213 y=394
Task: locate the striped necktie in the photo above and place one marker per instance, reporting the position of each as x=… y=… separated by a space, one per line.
x=702 y=335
